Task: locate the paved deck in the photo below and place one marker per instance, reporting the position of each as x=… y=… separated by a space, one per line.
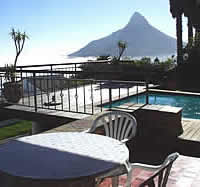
x=175 y=92
x=80 y=98
x=191 y=129
x=185 y=172
x=48 y=112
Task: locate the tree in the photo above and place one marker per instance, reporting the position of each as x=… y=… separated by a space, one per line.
x=122 y=45
x=19 y=39
x=103 y=57
x=156 y=60
x=145 y=60
x=179 y=31
x=192 y=49
x=13 y=89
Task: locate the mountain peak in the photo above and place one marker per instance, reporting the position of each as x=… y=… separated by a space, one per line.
x=143 y=40
x=136 y=19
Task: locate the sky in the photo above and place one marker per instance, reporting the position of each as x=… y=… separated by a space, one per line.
x=59 y=27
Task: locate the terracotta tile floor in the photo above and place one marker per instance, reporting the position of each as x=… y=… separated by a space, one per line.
x=184 y=173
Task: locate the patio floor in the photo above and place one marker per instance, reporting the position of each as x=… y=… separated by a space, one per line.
x=186 y=169
x=191 y=129
x=185 y=172
x=80 y=98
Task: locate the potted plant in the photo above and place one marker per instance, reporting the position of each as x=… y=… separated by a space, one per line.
x=13 y=88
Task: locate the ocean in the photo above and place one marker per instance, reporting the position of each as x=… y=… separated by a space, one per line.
x=58 y=58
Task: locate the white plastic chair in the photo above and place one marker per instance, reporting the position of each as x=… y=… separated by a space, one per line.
x=117 y=124
x=161 y=172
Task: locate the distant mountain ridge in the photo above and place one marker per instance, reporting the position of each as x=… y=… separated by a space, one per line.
x=142 y=40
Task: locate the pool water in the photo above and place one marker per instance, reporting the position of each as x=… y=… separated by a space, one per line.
x=190 y=104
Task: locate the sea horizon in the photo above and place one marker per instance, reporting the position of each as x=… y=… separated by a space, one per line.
x=68 y=59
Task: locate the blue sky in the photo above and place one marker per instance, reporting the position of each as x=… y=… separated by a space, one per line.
x=59 y=27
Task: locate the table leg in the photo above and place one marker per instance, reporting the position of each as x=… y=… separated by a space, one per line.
x=115 y=181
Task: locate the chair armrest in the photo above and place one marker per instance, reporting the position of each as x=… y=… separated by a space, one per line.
x=145 y=166
x=142 y=166
x=86 y=131
x=124 y=140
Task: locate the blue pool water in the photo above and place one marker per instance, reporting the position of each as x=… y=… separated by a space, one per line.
x=190 y=104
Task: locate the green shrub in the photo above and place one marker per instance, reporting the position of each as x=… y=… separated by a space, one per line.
x=142 y=70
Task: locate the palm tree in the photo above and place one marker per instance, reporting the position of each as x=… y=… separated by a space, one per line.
x=122 y=45
x=19 y=39
x=179 y=37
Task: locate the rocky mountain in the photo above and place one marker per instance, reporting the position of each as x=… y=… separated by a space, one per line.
x=142 y=40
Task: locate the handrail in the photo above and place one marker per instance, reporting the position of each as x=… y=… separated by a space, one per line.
x=61 y=91
x=62 y=64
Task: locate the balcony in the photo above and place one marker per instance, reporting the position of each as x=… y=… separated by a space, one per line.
x=52 y=95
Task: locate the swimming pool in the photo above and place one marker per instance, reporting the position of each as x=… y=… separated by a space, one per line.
x=189 y=103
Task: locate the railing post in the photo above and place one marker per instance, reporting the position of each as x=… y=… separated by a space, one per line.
x=147 y=93
x=51 y=74
x=110 y=95
x=35 y=91
x=21 y=73
x=75 y=70
x=1 y=89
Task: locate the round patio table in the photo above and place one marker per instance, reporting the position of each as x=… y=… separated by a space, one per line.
x=60 y=159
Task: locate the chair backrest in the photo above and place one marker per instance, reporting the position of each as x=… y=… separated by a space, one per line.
x=117 y=124
x=161 y=176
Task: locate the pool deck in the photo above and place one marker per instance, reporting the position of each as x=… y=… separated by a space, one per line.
x=85 y=102
x=185 y=171
x=175 y=92
x=191 y=129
